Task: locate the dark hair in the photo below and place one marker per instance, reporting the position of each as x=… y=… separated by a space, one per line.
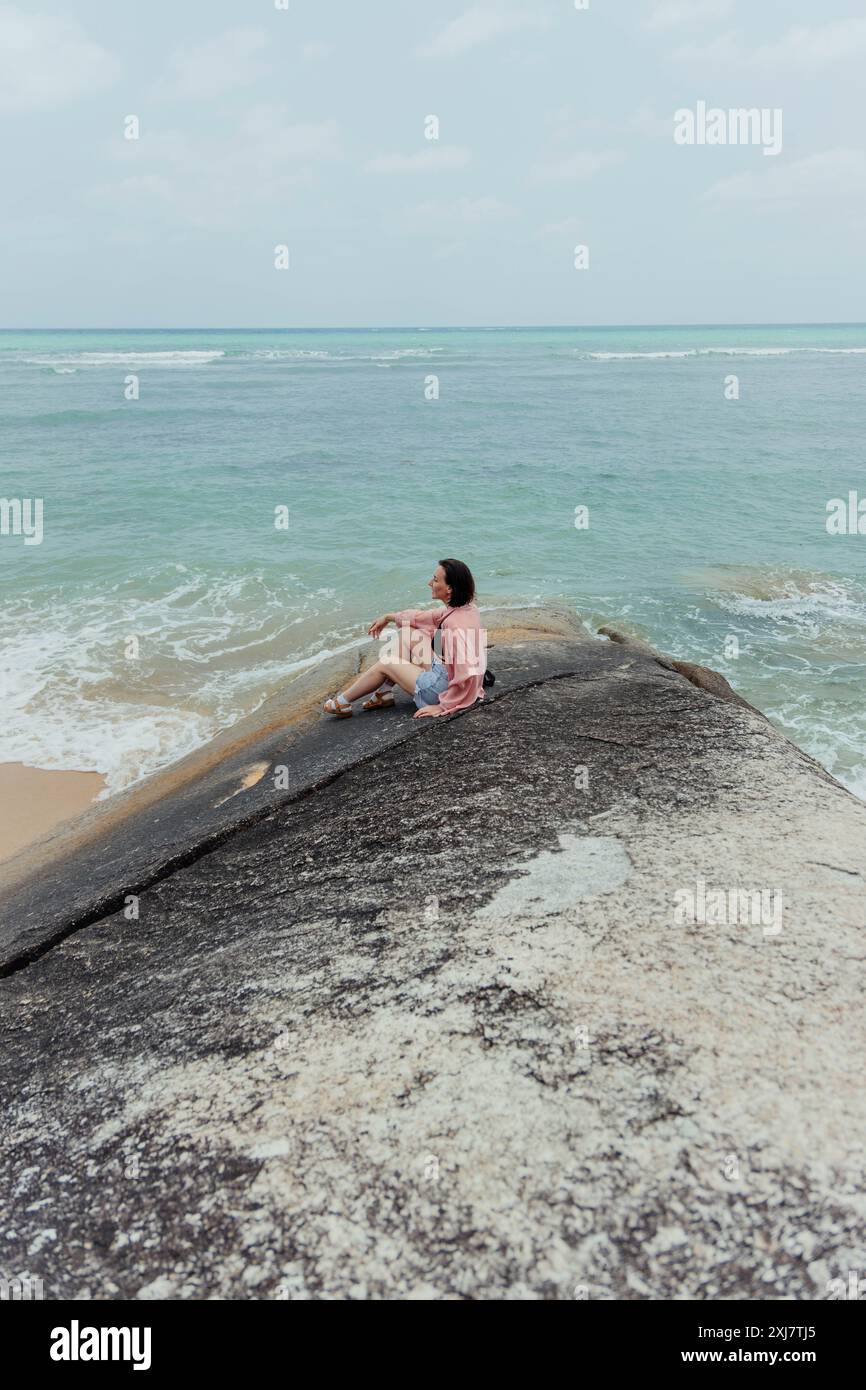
x=459 y=579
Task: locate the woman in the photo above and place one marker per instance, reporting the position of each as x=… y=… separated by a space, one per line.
x=438 y=687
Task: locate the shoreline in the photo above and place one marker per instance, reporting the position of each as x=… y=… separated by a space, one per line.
x=36 y=803
x=222 y=780
x=215 y=773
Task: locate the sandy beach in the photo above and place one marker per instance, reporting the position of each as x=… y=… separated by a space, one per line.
x=34 y=800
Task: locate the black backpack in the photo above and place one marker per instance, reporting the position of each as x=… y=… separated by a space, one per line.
x=488 y=678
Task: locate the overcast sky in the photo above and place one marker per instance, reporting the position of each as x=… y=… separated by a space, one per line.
x=261 y=126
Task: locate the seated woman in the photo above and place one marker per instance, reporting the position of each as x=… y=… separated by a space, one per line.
x=438 y=686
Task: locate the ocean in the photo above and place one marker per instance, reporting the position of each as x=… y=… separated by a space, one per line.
x=164 y=603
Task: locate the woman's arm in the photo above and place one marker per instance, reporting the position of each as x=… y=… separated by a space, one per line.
x=425 y=619
x=378 y=624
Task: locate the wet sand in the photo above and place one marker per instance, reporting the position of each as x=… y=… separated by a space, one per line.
x=33 y=801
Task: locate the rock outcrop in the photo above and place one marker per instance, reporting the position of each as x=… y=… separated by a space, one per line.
x=561 y=997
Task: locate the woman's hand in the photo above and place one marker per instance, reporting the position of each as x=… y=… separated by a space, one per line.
x=433 y=710
x=378 y=624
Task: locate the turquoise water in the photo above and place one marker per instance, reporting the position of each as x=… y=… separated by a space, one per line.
x=707 y=515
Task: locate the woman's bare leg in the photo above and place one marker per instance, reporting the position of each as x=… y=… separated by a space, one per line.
x=402 y=673
x=403 y=670
x=414 y=648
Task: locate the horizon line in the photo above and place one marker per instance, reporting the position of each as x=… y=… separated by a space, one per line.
x=427 y=328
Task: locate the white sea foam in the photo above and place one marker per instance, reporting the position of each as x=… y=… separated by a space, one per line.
x=803 y=657
x=829 y=732
x=749 y=351
x=211 y=650
x=634 y=356
x=779 y=352
x=787 y=594
x=321 y=354
x=717 y=352
x=278 y=354
x=127 y=359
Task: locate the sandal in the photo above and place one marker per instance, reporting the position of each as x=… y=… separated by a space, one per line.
x=378 y=700
x=341 y=708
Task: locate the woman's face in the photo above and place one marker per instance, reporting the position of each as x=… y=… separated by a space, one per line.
x=438 y=588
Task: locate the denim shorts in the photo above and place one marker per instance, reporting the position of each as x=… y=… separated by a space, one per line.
x=430 y=684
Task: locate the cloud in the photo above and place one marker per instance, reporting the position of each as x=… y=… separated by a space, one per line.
x=569 y=229
x=435 y=159
x=564 y=123
x=266 y=135
x=801 y=47
x=833 y=175
x=46 y=62
x=212 y=68
x=670 y=13
x=576 y=167
x=479 y=25
x=434 y=216
x=723 y=49
x=811 y=46
x=213 y=180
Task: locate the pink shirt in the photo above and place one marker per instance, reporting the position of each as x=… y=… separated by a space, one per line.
x=464 y=650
